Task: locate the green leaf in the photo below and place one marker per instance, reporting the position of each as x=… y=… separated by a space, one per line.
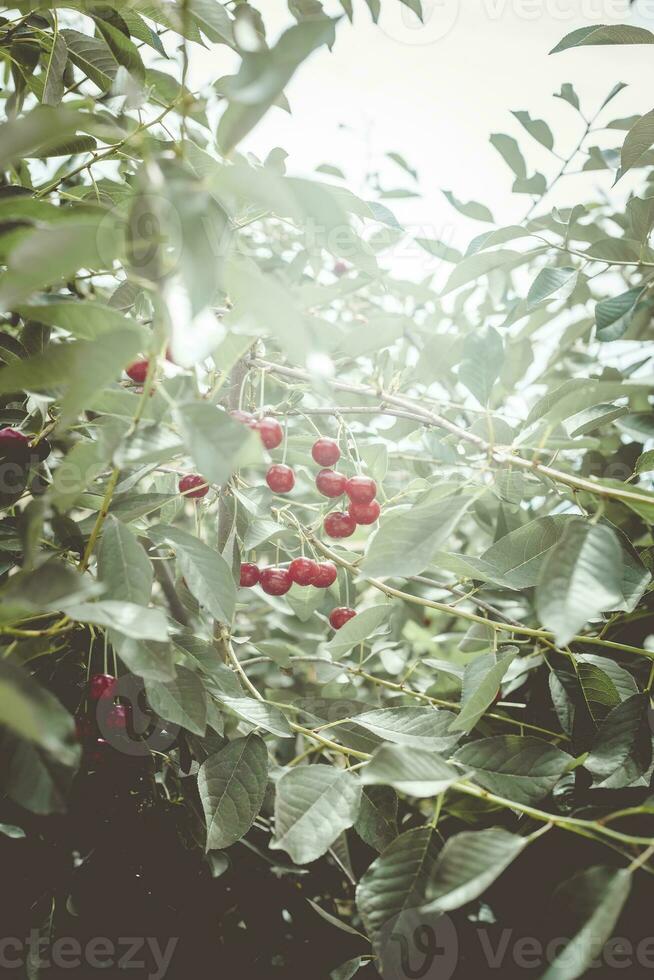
x=407 y=539
x=395 y=882
x=637 y=141
x=359 y=629
x=208 y=576
x=624 y=733
x=92 y=56
x=23 y=137
x=85 y=319
x=551 y=282
x=483 y=356
x=471 y=268
x=481 y=681
x=376 y=824
x=49 y=254
x=123 y=565
x=217 y=443
x=423 y=728
x=508 y=148
x=181 y=701
x=35 y=714
x=468 y=864
x=581 y=578
x=589 y=904
x=263 y=76
x=471 y=210
x=613 y=316
x=439 y=249
x=645 y=462
x=213 y=20
x=232 y=784
x=416 y=772
x=522 y=768
x=258 y=714
x=53 y=80
x=313 y=805
x=537 y=128
x=604 y=34
x=127 y=618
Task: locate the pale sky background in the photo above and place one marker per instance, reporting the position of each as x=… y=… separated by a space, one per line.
x=435 y=93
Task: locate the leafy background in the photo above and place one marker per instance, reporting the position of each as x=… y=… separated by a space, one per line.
x=483 y=722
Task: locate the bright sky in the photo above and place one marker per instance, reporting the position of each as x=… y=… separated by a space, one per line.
x=436 y=92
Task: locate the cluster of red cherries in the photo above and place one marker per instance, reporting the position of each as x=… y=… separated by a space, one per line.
x=362 y=509
x=115 y=717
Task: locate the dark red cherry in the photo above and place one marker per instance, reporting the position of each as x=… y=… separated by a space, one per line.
x=250 y=575
x=326 y=573
x=102 y=686
x=340 y=268
x=361 y=489
x=280 y=478
x=138 y=371
x=12 y=439
x=364 y=513
x=303 y=571
x=276 y=581
x=271 y=432
x=193 y=485
x=326 y=452
x=339 y=525
x=339 y=617
x=117 y=718
x=330 y=483
x=83 y=729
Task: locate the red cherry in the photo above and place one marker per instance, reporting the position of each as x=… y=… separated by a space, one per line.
x=326 y=452
x=100 y=751
x=102 y=686
x=193 y=485
x=245 y=417
x=280 y=478
x=364 y=513
x=338 y=617
x=138 y=371
x=326 y=573
x=116 y=719
x=11 y=438
x=361 y=489
x=330 y=483
x=339 y=525
x=340 y=268
x=276 y=581
x=303 y=571
x=271 y=432
x=250 y=575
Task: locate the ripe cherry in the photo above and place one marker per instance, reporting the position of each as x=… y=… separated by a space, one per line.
x=330 y=483
x=280 y=478
x=326 y=573
x=12 y=439
x=338 y=524
x=245 y=417
x=138 y=371
x=250 y=575
x=326 y=452
x=339 y=617
x=340 y=268
x=102 y=686
x=276 y=581
x=361 y=489
x=271 y=432
x=193 y=485
x=364 y=513
x=303 y=571
x=117 y=718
